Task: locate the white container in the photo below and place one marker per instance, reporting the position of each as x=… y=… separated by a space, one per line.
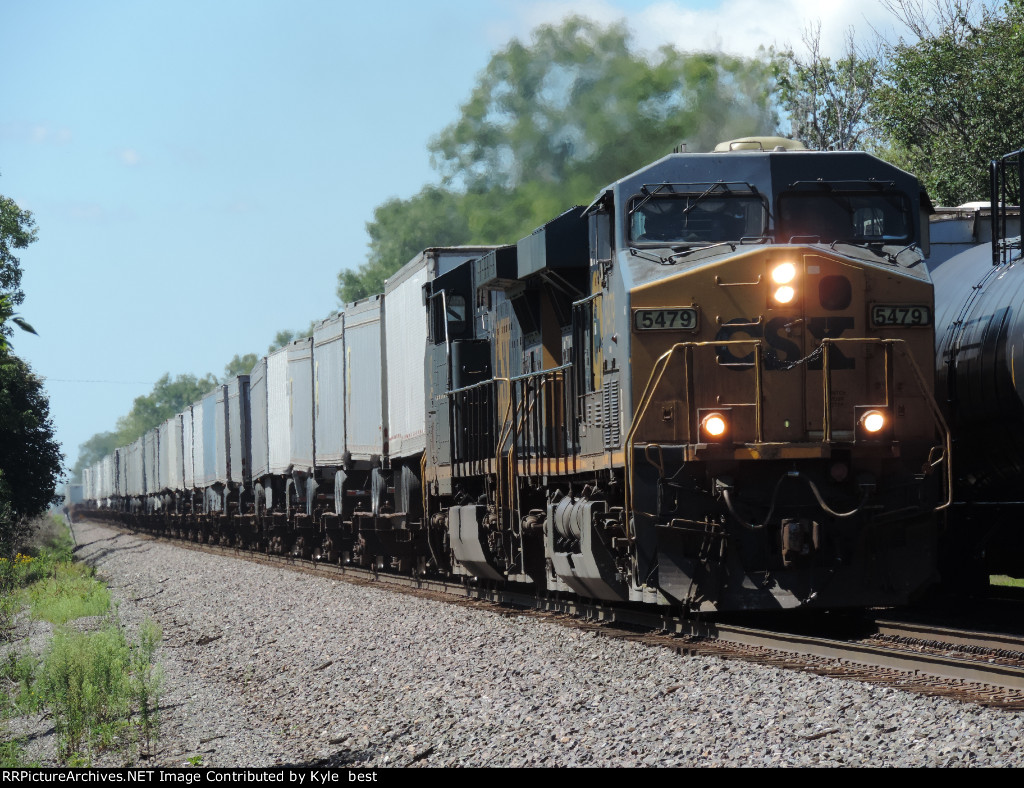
x=405 y=320
x=187 y=461
x=329 y=390
x=365 y=404
x=278 y=417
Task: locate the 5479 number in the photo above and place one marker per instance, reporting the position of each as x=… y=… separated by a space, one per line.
x=900 y=315
x=684 y=319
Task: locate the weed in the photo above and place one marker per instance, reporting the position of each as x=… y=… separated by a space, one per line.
x=81 y=681
x=71 y=591
x=146 y=681
x=195 y=760
x=12 y=754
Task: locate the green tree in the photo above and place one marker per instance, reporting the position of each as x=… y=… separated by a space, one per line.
x=550 y=122
x=285 y=336
x=31 y=463
x=828 y=101
x=578 y=108
x=7 y=313
x=397 y=233
x=17 y=231
x=952 y=100
x=167 y=398
x=239 y=365
x=100 y=445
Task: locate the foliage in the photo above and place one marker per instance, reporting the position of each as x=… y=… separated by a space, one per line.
x=287 y=336
x=100 y=445
x=167 y=398
x=71 y=592
x=828 y=101
x=31 y=463
x=101 y=688
x=7 y=313
x=17 y=231
x=550 y=122
x=954 y=99
x=397 y=233
x=94 y=683
x=239 y=365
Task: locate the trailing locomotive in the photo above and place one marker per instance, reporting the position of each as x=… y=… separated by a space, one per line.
x=709 y=389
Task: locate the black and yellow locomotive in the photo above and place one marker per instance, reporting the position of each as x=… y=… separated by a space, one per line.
x=710 y=388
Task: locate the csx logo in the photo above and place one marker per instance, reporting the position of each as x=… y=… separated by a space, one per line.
x=777 y=335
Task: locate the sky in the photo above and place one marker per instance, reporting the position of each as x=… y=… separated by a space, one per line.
x=200 y=172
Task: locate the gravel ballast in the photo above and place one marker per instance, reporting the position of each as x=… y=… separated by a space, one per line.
x=265 y=666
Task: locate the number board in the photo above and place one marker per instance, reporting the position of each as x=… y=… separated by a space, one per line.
x=900 y=315
x=682 y=319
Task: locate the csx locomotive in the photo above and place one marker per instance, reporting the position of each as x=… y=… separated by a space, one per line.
x=709 y=389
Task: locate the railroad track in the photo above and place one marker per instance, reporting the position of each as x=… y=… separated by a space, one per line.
x=979 y=667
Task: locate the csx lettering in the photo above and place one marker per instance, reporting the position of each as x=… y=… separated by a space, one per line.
x=831 y=328
x=776 y=334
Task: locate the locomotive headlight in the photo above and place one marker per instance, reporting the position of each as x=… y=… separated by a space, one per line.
x=715 y=425
x=873 y=424
x=784 y=294
x=873 y=421
x=784 y=273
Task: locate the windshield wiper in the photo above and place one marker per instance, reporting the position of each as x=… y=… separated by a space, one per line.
x=874 y=246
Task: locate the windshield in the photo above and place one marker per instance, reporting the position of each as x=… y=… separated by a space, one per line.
x=671 y=219
x=838 y=216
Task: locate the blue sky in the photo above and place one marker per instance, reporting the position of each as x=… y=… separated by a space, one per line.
x=200 y=172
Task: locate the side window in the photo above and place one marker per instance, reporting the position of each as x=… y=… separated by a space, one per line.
x=455 y=314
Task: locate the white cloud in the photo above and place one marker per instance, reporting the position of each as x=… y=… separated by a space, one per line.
x=35 y=133
x=129 y=157
x=737 y=27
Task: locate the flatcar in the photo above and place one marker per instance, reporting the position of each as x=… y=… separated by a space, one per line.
x=710 y=389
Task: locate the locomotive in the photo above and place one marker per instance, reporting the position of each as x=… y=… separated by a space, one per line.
x=710 y=389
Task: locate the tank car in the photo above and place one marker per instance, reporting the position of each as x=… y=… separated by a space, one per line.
x=979 y=290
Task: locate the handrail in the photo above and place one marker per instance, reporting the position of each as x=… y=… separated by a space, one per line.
x=659 y=368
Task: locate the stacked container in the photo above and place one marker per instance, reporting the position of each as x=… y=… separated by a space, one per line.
x=187 y=450
x=300 y=405
x=278 y=420
x=329 y=391
x=260 y=447
x=365 y=392
x=238 y=431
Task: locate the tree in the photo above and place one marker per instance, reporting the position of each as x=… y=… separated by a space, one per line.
x=17 y=231
x=397 y=233
x=31 y=463
x=7 y=313
x=100 y=445
x=578 y=108
x=550 y=122
x=828 y=101
x=239 y=365
x=954 y=99
x=168 y=398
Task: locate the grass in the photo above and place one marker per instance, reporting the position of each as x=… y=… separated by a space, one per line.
x=100 y=687
x=1004 y=580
